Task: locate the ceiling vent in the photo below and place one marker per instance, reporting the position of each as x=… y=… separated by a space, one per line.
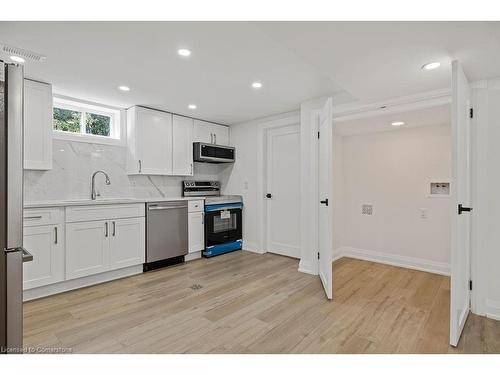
x=30 y=55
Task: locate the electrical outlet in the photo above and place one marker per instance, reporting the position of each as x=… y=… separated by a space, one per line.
x=367 y=209
x=245 y=185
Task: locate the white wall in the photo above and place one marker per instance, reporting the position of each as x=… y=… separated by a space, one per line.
x=241 y=178
x=391 y=170
x=486 y=200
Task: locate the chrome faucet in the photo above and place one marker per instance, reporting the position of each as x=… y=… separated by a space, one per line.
x=95 y=194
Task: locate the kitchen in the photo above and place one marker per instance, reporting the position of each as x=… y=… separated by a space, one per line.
x=178 y=193
x=113 y=233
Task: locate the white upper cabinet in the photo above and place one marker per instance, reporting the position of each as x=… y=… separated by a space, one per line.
x=182 y=147
x=37 y=125
x=208 y=132
x=149 y=136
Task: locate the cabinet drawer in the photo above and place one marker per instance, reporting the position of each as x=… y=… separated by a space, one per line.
x=104 y=212
x=195 y=206
x=42 y=216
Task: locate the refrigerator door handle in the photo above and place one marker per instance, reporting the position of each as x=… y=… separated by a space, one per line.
x=27 y=256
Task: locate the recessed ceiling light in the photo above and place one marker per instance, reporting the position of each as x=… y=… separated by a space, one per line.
x=124 y=88
x=431 y=66
x=184 y=52
x=192 y=106
x=397 y=123
x=256 y=85
x=17 y=59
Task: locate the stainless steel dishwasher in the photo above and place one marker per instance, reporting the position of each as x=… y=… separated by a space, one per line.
x=166 y=233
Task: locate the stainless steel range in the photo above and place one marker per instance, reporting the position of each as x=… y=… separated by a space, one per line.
x=223 y=217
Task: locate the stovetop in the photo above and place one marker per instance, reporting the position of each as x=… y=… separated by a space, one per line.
x=223 y=199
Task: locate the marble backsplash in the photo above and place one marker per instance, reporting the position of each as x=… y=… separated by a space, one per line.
x=74 y=163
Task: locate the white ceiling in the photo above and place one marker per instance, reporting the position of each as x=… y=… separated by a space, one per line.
x=296 y=61
x=430 y=116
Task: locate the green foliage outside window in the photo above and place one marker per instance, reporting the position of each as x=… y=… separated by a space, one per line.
x=66 y=120
x=69 y=121
x=97 y=124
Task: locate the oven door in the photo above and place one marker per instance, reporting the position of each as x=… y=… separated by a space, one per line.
x=223 y=224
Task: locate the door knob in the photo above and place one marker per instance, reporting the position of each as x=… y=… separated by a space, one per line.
x=269 y=195
x=325 y=202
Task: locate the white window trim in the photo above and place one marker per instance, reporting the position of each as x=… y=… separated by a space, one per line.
x=117 y=131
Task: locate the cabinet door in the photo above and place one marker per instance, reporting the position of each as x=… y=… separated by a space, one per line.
x=37 y=125
x=127 y=242
x=196 y=230
x=87 y=248
x=153 y=130
x=221 y=134
x=46 y=245
x=203 y=132
x=182 y=147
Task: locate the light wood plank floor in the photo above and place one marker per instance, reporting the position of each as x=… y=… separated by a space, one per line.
x=248 y=303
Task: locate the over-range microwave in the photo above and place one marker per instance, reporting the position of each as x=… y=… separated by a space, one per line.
x=210 y=153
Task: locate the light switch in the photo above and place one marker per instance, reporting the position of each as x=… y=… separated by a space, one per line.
x=423 y=213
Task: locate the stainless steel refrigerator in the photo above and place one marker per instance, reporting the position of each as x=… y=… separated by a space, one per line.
x=12 y=253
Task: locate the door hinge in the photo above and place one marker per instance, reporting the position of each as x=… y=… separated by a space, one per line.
x=318 y=254
x=318 y=135
x=470 y=284
x=471 y=113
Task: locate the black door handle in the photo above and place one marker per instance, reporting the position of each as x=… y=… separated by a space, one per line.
x=269 y=195
x=463 y=209
x=325 y=202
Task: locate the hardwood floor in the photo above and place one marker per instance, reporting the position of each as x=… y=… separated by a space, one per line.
x=247 y=303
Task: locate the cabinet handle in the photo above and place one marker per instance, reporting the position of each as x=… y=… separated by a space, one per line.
x=55 y=234
x=215 y=138
x=32 y=217
x=140 y=166
x=106 y=229
x=191 y=169
x=203 y=218
x=211 y=138
x=114 y=228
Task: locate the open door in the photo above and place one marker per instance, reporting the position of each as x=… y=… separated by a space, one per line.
x=325 y=194
x=461 y=199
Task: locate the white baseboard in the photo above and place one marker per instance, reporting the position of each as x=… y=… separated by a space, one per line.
x=394 y=260
x=252 y=247
x=307 y=267
x=192 y=256
x=493 y=309
x=81 y=282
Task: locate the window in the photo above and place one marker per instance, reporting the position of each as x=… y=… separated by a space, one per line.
x=80 y=121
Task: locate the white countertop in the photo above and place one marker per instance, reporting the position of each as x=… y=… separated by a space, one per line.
x=89 y=202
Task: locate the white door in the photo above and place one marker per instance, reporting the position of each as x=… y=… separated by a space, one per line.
x=87 y=248
x=127 y=246
x=461 y=193
x=154 y=141
x=196 y=230
x=325 y=196
x=182 y=146
x=47 y=267
x=283 y=191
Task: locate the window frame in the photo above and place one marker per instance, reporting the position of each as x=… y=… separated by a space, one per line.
x=116 y=131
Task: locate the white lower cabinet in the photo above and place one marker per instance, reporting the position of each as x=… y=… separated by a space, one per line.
x=98 y=246
x=196 y=225
x=127 y=242
x=46 y=243
x=87 y=248
x=196 y=230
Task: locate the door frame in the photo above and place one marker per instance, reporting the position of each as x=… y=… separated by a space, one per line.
x=264 y=125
